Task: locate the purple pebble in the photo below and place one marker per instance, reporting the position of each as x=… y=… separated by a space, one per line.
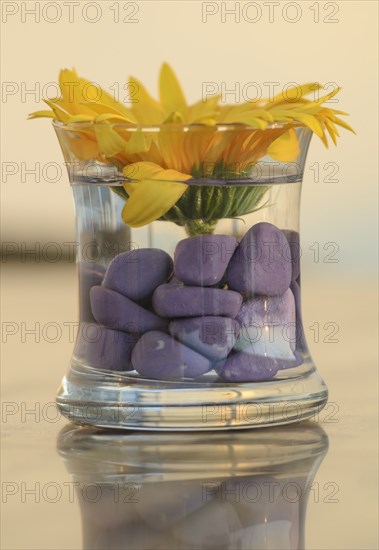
x=104 y=348
x=202 y=260
x=244 y=367
x=261 y=264
x=293 y=239
x=90 y=274
x=159 y=356
x=268 y=325
x=135 y=274
x=171 y=300
x=212 y=336
x=296 y=361
x=268 y=328
x=118 y=312
x=301 y=342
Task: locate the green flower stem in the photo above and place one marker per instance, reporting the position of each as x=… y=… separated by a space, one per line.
x=199 y=227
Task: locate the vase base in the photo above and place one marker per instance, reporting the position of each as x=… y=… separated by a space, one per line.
x=141 y=404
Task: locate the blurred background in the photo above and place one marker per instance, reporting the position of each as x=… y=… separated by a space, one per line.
x=234 y=47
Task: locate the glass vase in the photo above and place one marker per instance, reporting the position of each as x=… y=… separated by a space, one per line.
x=191 y=321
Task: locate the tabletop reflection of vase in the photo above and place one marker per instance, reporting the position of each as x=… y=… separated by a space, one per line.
x=229 y=490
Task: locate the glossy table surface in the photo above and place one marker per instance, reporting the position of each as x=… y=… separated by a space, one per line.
x=68 y=488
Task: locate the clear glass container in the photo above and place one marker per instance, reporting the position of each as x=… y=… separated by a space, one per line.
x=192 y=321
x=195 y=490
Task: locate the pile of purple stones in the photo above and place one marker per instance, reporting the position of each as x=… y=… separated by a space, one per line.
x=218 y=305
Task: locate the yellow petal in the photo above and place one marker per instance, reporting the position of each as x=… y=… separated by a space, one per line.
x=174 y=118
x=333 y=132
x=83 y=147
x=170 y=92
x=204 y=111
x=109 y=141
x=149 y=170
x=328 y=96
x=41 y=114
x=79 y=96
x=310 y=121
x=149 y=200
x=224 y=111
x=155 y=192
x=140 y=142
x=59 y=112
x=103 y=108
x=251 y=120
x=294 y=93
x=337 y=112
x=110 y=117
x=170 y=141
x=247 y=114
x=206 y=121
x=72 y=90
x=145 y=109
x=109 y=104
x=344 y=124
x=80 y=118
x=285 y=148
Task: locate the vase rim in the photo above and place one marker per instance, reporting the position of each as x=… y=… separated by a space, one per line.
x=222 y=127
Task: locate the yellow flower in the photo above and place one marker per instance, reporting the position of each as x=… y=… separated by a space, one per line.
x=169 y=141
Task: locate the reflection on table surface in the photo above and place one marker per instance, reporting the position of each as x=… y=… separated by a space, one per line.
x=342 y=509
x=224 y=490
